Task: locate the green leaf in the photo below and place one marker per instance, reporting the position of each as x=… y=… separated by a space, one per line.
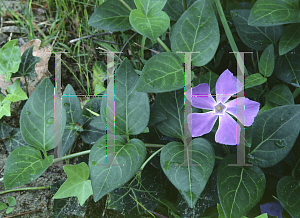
x=90 y=134
x=288 y=191
x=210 y=78
x=254 y=80
x=163 y=72
x=111 y=15
x=15 y=140
x=9 y=210
x=220 y=211
x=15 y=92
x=11 y=201
x=68 y=138
x=99 y=76
x=155 y=116
x=174 y=8
x=3 y=206
x=171 y=106
x=239 y=188
x=5 y=108
x=10 y=58
x=128 y=158
x=190 y=180
x=71 y=104
x=287 y=69
x=274 y=12
x=144 y=190
x=290 y=38
x=132 y=108
x=27 y=65
x=24 y=165
x=147 y=6
x=77 y=183
x=66 y=207
x=197 y=30
x=268 y=105
x=4 y=130
x=37 y=117
x=265 y=215
x=267 y=61
x=281 y=95
x=274 y=133
x=151 y=25
x=257 y=38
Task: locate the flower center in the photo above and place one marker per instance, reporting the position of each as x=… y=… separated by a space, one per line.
x=219 y=108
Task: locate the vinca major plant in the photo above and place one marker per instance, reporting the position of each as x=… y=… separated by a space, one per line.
x=212 y=169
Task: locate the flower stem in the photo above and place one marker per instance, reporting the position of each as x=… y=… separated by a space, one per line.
x=163 y=45
x=296 y=93
x=218 y=158
x=126 y=5
x=142 y=47
x=24 y=189
x=229 y=34
x=149 y=158
x=71 y=156
x=184 y=5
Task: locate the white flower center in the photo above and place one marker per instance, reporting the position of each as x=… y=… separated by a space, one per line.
x=219 y=108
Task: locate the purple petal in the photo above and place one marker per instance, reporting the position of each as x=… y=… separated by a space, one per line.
x=200 y=124
x=201 y=97
x=229 y=131
x=248 y=111
x=272 y=208
x=226 y=86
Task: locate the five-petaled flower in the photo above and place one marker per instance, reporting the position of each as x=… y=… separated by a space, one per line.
x=242 y=108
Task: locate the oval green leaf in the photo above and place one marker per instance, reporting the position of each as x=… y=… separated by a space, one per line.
x=132 y=108
x=257 y=38
x=10 y=57
x=71 y=104
x=37 y=117
x=274 y=12
x=239 y=188
x=288 y=191
x=281 y=95
x=27 y=65
x=147 y=6
x=24 y=165
x=174 y=8
x=190 y=180
x=151 y=25
x=290 y=38
x=267 y=61
x=111 y=15
x=274 y=133
x=287 y=69
x=106 y=177
x=254 y=80
x=197 y=30
x=162 y=73
x=171 y=106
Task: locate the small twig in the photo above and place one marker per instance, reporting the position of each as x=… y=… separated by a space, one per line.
x=156 y=52
x=22 y=213
x=124 y=47
x=89 y=36
x=108 y=41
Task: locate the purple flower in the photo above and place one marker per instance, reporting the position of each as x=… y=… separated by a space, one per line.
x=228 y=132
